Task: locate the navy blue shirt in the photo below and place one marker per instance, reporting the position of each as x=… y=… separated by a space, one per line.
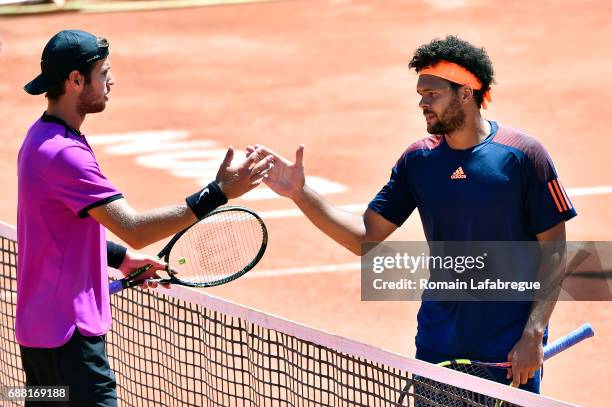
x=503 y=189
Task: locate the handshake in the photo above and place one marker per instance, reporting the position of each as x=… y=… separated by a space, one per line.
x=284 y=177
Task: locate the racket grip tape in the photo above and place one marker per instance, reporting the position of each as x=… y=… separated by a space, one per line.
x=115 y=286
x=569 y=340
x=118 y=285
x=127 y=282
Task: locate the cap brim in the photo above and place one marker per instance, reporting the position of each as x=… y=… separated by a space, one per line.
x=37 y=86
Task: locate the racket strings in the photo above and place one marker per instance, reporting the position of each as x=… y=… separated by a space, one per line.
x=444 y=394
x=217 y=247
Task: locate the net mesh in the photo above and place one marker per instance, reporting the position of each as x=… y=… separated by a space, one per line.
x=452 y=396
x=167 y=351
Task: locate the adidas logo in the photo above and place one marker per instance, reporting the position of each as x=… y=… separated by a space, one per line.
x=458 y=174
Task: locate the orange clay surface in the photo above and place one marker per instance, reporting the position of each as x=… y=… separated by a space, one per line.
x=333 y=75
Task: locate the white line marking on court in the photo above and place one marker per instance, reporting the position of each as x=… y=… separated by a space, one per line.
x=586 y=191
x=328 y=268
x=175 y=152
x=446 y=4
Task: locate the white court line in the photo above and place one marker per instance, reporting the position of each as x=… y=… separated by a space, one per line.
x=329 y=268
x=586 y=191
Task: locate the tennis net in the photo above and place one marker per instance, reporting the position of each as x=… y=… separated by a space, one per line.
x=181 y=347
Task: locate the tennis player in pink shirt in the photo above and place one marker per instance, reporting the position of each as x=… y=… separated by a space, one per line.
x=65 y=204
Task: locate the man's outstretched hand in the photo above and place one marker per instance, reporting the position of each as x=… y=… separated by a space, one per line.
x=238 y=179
x=286 y=178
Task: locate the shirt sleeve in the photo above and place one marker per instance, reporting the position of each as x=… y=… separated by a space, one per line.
x=76 y=180
x=547 y=202
x=395 y=201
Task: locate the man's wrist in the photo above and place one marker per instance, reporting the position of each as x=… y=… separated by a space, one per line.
x=115 y=254
x=534 y=333
x=205 y=201
x=301 y=195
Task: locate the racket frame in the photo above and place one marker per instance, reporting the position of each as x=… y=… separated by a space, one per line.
x=132 y=279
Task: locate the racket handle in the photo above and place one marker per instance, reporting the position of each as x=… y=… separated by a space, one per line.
x=127 y=282
x=115 y=286
x=571 y=339
x=118 y=285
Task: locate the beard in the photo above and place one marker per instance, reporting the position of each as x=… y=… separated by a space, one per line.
x=451 y=119
x=90 y=101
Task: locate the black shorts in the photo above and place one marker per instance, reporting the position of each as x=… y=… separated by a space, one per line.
x=81 y=364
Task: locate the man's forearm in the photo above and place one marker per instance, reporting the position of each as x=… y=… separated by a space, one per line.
x=348 y=229
x=541 y=312
x=551 y=269
x=139 y=229
x=153 y=225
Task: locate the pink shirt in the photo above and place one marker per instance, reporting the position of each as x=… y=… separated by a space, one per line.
x=62 y=279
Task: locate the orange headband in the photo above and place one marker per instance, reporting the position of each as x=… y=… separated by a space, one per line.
x=457 y=74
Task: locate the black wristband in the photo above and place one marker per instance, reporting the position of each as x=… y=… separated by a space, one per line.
x=207 y=200
x=115 y=253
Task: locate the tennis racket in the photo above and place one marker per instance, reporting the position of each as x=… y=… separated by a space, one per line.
x=215 y=250
x=428 y=390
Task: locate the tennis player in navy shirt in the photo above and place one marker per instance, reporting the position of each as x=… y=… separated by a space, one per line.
x=472 y=180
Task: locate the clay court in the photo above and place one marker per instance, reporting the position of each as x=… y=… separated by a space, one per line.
x=332 y=74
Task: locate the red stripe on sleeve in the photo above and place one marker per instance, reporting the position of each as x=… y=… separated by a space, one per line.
x=559 y=194
x=552 y=191
x=569 y=203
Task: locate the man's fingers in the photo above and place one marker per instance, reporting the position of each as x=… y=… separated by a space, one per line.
x=251 y=159
x=258 y=153
x=263 y=166
x=516 y=378
x=520 y=376
x=229 y=156
x=156 y=264
x=532 y=374
x=258 y=178
x=256 y=181
x=148 y=283
x=151 y=282
x=152 y=272
x=299 y=156
x=265 y=151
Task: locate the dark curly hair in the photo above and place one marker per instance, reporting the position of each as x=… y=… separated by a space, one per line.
x=453 y=49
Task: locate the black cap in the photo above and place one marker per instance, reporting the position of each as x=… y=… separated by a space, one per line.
x=65 y=52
